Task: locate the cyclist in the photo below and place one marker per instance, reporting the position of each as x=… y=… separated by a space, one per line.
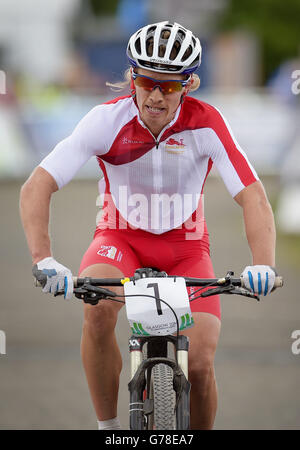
x=155 y=148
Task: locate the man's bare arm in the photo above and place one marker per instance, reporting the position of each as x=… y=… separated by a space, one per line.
x=259 y=223
x=35 y=199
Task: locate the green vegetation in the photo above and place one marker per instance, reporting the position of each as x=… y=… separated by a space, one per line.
x=103 y=7
x=274 y=22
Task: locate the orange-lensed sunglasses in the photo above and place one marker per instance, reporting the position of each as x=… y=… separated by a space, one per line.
x=165 y=86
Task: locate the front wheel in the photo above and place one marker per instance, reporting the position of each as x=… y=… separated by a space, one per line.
x=164 y=397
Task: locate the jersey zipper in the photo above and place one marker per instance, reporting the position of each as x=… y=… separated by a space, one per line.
x=157 y=140
x=157 y=160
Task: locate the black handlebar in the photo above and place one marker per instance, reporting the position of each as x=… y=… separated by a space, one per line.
x=90 y=290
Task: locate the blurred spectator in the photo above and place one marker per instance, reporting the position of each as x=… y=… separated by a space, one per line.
x=79 y=76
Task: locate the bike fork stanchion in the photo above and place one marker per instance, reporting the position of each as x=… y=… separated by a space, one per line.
x=136 y=404
x=182 y=386
x=182 y=348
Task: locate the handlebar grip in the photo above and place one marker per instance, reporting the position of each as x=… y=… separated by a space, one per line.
x=278 y=282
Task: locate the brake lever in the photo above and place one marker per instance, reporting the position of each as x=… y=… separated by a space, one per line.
x=218 y=290
x=244 y=292
x=92 y=294
x=230 y=289
x=99 y=290
x=89 y=294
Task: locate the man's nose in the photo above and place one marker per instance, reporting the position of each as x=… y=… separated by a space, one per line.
x=156 y=93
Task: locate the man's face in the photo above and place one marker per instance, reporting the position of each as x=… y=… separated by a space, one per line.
x=157 y=109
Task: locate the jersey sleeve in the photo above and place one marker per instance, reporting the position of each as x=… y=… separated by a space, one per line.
x=69 y=155
x=231 y=161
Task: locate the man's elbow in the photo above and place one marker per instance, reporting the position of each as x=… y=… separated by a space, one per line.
x=253 y=196
x=37 y=189
x=39 y=180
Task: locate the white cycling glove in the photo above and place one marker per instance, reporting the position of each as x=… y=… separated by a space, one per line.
x=259 y=279
x=58 y=277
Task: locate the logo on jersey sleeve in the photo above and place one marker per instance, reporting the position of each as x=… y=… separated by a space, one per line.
x=175 y=146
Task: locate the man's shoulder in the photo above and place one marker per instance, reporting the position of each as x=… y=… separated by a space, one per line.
x=110 y=112
x=199 y=114
x=115 y=104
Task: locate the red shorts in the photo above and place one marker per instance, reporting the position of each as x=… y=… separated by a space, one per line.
x=130 y=249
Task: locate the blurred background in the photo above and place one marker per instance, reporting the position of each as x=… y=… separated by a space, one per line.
x=55 y=58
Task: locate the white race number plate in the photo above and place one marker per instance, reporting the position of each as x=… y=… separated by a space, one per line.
x=148 y=312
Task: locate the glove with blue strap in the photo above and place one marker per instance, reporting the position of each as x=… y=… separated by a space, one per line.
x=53 y=276
x=259 y=279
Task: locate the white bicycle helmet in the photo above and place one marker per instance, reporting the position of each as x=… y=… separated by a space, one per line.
x=165 y=47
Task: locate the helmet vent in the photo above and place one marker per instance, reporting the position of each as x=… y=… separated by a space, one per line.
x=196 y=61
x=187 y=53
x=138 y=45
x=181 y=34
x=165 y=34
x=151 y=30
x=161 y=51
x=175 y=50
x=149 y=46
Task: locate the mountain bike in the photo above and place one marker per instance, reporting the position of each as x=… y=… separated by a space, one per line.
x=159 y=387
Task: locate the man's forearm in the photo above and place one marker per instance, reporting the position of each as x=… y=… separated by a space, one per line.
x=260 y=231
x=35 y=199
x=35 y=219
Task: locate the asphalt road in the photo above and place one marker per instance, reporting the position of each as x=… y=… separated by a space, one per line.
x=42 y=383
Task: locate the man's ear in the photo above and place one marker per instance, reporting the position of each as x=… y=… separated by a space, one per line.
x=186 y=90
x=189 y=85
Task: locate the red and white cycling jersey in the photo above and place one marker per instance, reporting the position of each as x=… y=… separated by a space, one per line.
x=155 y=183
